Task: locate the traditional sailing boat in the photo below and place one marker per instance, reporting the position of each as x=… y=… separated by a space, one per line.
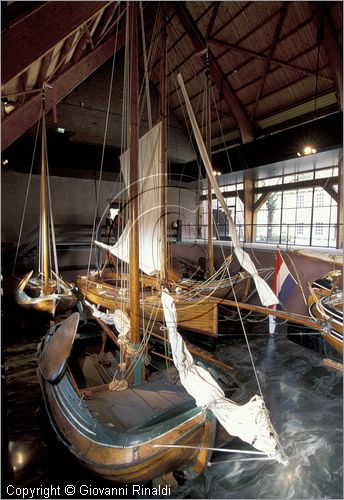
x=325 y=303
x=120 y=416
x=194 y=310
x=45 y=292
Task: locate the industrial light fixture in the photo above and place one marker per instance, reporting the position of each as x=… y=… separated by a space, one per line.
x=216 y=173
x=307 y=150
x=5 y=162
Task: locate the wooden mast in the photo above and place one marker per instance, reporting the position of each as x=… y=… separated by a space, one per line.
x=44 y=205
x=210 y=260
x=134 y=280
x=163 y=152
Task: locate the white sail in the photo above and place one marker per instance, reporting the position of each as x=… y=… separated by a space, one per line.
x=250 y=422
x=266 y=295
x=149 y=187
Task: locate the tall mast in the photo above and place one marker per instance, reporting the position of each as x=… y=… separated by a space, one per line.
x=210 y=260
x=163 y=152
x=134 y=282
x=44 y=205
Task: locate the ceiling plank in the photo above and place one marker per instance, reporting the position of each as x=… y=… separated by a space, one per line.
x=321 y=12
x=214 y=12
x=24 y=117
x=257 y=55
x=34 y=35
x=104 y=22
x=219 y=79
x=277 y=32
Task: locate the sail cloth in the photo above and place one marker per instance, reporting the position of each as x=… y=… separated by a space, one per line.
x=149 y=187
x=250 y=422
x=266 y=295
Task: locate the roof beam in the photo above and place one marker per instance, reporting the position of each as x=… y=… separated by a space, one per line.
x=277 y=32
x=24 y=117
x=257 y=55
x=219 y=79
x=34 y=35
x=326 y=36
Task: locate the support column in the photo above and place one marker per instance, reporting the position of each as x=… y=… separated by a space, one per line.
x=249 y=210
x=339 y=243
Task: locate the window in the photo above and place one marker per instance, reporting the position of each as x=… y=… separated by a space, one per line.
x=319 y=228
x=299 y=229
x=300 y=201
x=319 y=199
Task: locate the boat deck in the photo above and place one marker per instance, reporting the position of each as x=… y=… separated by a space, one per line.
x=132 y=407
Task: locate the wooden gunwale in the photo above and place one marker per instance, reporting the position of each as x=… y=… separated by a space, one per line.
x=138 y=462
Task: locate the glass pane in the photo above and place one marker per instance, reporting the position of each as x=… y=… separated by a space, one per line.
x=326 y=173
x=289 y=199
x=304 y=215
x=288 y=216
x=305 y=176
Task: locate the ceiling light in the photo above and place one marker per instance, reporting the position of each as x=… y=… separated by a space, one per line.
x=8 y=105
x=307 y=150
x=5 y=162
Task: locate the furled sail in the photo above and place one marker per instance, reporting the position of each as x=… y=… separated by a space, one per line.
x=250 y=422
x=266 y=295
x=149 y=185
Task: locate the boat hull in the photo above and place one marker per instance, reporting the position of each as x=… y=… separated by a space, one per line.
x=51 y=304
x=194 y=313
x=128 y=457
x=329 y=307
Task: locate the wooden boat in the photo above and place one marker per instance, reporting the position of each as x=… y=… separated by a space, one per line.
x=195 y=311
x=46 y=291
x=116 y=433
x=121 y=417
x=325 y=303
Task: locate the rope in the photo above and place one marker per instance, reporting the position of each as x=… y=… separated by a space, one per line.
x=27 y=192
x=223 y=450
x=103 y=153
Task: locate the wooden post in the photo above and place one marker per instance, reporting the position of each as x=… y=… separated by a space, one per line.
x=248 y=209
x=339 y=242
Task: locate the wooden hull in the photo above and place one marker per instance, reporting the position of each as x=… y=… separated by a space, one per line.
x=49 y=304
x=194 y=313
x=332 y=307
x=129 y=435
x=104 y=452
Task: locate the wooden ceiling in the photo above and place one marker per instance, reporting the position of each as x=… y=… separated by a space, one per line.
x=271 y=64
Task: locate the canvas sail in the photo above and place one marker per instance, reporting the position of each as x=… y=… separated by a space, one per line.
x=250 y=422
x=149 y=185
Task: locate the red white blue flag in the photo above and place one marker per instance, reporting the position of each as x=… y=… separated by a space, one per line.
x=282 y=285
x=283 y=282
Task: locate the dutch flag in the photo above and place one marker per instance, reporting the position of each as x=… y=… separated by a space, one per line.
x=282 y=286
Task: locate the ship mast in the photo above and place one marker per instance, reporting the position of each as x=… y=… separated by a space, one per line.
x=163 y=153
x=44 y=207
x=134 y=281
x=210 y=260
